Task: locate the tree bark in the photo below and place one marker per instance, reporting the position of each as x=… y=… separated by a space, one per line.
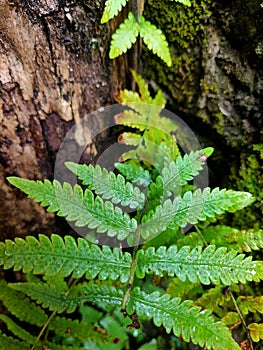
x=54 y=70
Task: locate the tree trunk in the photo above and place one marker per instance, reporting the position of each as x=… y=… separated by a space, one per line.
x=54 y=69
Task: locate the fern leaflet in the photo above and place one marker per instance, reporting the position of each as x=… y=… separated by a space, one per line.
x=76 y=206
x=192 y=207
x=256 y=331
x=155 y=40
x=111 y=9
x=239 y=240
x=143 y=87
x=55 y=256
x=210 y=265
x=13 y=344
x=108 y=185
x=134 y=172
x=249 y=303
x=124 y=36
x=55 y=300
x=20 y=306
x=17 y=330
x=184 y=169
x=80 y=330
x=184 y=319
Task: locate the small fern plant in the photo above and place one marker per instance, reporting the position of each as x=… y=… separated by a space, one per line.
x=107 y=289
x=135 y=25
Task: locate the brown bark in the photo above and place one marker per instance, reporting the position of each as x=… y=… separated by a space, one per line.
x=54 y=69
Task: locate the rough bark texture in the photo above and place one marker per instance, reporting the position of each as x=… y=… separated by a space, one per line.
x=54 y=69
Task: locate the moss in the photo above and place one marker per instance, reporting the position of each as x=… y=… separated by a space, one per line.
x=182 y=27
x=249 y=178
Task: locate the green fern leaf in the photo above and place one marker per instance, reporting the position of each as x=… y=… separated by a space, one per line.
x=143 y=87
x=184 y=169
x=13 y=344
x=155 y=40
x=192 y=207
x=80 y=330
x=17 y=330
x=111 y=9
x=55 y=256
x=185 y=2
x=249 y=303
x=76 y=206
x=108 y=185
x=134 y=172
x=239 y=240
x=184 y=319
x=159 y=99
x=127 y=97
x=48 y=296
x=20 y=306
x=210 y=265
x=55 y=300
x=124 y=36
x=256 y=331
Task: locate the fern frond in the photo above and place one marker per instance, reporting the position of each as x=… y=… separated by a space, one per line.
x=143 y=87
x=155 y=40
x=124 y=36
x=250 y=304
x=55 y=256
x=184 y=169
x=239 y=240
x=20 y=306
x=210 y=265
x=80 y=330
x=111 y=9
x=256 y=331
x=146 y=116
x=134 y=172
x=77 y=206
x=192 y=207
x=108 y=185
x=13 y=344
x=184 y=319
x=18 y=331
x=48 y=296
x=55 y=300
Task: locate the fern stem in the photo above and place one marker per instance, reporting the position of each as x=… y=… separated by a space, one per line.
x=201 y=235
x=43 y=329
x=241 y=316
x=136 y=243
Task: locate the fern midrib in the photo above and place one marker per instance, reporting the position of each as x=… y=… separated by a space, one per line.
x=73 y=259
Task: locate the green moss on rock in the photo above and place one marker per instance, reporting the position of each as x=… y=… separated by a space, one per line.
x=249 y=177
x=182 y=27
